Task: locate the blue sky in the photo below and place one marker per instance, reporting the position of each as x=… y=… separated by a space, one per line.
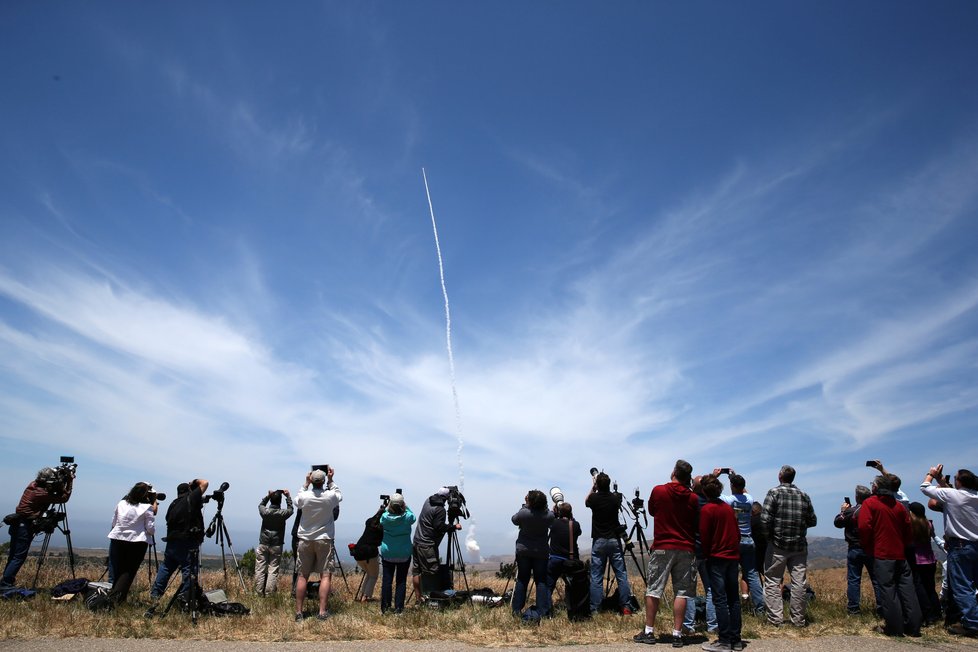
x=739 y=234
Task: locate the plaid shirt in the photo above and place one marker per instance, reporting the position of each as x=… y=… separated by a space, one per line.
x=786 y=517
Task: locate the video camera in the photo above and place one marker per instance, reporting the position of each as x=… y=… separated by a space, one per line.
x=456 y=504
x=60 y=481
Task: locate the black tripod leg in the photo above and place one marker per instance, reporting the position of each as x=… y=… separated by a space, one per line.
x=40 y=560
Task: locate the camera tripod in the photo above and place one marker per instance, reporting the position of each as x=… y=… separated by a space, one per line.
x=453 y=556
x=219 y=529
x=636 y=511
x=54 y=519
x=152 y=561
x=192 y=588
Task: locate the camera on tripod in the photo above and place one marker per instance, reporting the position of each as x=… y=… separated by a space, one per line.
x=48 y=521
x=638 y=504
x=217 y=495
x=456 y=504
x=59 y=482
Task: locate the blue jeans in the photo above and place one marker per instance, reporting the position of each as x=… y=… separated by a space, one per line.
x=20 y=545
x=856 y=560
x=748 y=566
x=392 y=568
x=603 y=551
x=962 y=573
x=726 y=597
x=175 y=556
x=526 y=566
x=689 y=619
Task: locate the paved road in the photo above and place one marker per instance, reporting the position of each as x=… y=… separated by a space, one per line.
x=821 y=644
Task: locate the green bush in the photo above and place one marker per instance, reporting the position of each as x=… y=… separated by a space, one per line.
x=247 y=562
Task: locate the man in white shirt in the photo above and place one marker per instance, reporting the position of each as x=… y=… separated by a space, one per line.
x=960 y=539
x=316 y=552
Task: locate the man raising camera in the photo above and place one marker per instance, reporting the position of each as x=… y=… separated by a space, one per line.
x=48 y=488
x=184 y=534
x=316 y=553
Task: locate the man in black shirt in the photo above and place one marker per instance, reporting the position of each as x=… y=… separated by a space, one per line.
x=184 y=534
x=606 y=546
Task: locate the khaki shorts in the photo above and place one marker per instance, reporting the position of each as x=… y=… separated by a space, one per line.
x=680 y=565
x=425 y=560
x=316 y=557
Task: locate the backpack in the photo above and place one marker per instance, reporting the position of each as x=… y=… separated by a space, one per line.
x=218 y=605
x=178 y=515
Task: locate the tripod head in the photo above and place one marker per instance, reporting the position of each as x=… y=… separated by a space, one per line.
x=218 y=496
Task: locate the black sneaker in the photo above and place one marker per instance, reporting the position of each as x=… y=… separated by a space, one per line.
x=324 y=616
x=299 y=617
x=645 y=637
x=677 y=640
x=150 y=612
x=737 y=646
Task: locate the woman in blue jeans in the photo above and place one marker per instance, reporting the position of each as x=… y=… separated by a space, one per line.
x=532 y=551
x=395 y=552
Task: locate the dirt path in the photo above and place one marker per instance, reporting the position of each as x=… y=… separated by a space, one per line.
x=821 y=644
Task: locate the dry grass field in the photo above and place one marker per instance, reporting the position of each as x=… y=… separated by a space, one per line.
x=271 y=618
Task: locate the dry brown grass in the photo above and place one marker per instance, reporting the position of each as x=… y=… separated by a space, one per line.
x=271 y=618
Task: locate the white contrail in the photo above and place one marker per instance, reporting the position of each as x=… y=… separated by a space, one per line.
x=448 y=337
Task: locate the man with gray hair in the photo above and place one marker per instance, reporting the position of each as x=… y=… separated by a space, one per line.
x=856 y=557
x=786 y=516
x=316 y=552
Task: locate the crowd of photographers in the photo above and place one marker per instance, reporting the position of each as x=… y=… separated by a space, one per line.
x=699 y=534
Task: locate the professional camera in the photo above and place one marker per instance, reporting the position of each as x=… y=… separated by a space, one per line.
x=153 y=496
x=456 y=504
x=594 y=474
x=218 y=495
x=48 y=521
x=557 y=496
x=638 y=504
x=60 y=481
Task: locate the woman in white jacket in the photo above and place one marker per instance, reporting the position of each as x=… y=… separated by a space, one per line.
x=133 y=525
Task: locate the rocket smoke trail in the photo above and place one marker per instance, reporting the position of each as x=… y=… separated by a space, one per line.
x=448 y=338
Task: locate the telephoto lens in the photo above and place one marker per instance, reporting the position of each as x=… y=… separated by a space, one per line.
x=556 y=495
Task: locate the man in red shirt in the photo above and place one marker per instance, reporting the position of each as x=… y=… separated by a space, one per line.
x=49 y=488
x=675 y=509
x=720 y=542
x=884 y=531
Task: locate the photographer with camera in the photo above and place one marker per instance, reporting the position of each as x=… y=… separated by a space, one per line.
x=433 y=524
x=133 y=526
x=316 y=553
x=50 y=487
x=268 y=554
x=959 y=503
x=532 y=551
x=395 y=550
x=184 y=534
x=366 y=551
x=606 y=533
